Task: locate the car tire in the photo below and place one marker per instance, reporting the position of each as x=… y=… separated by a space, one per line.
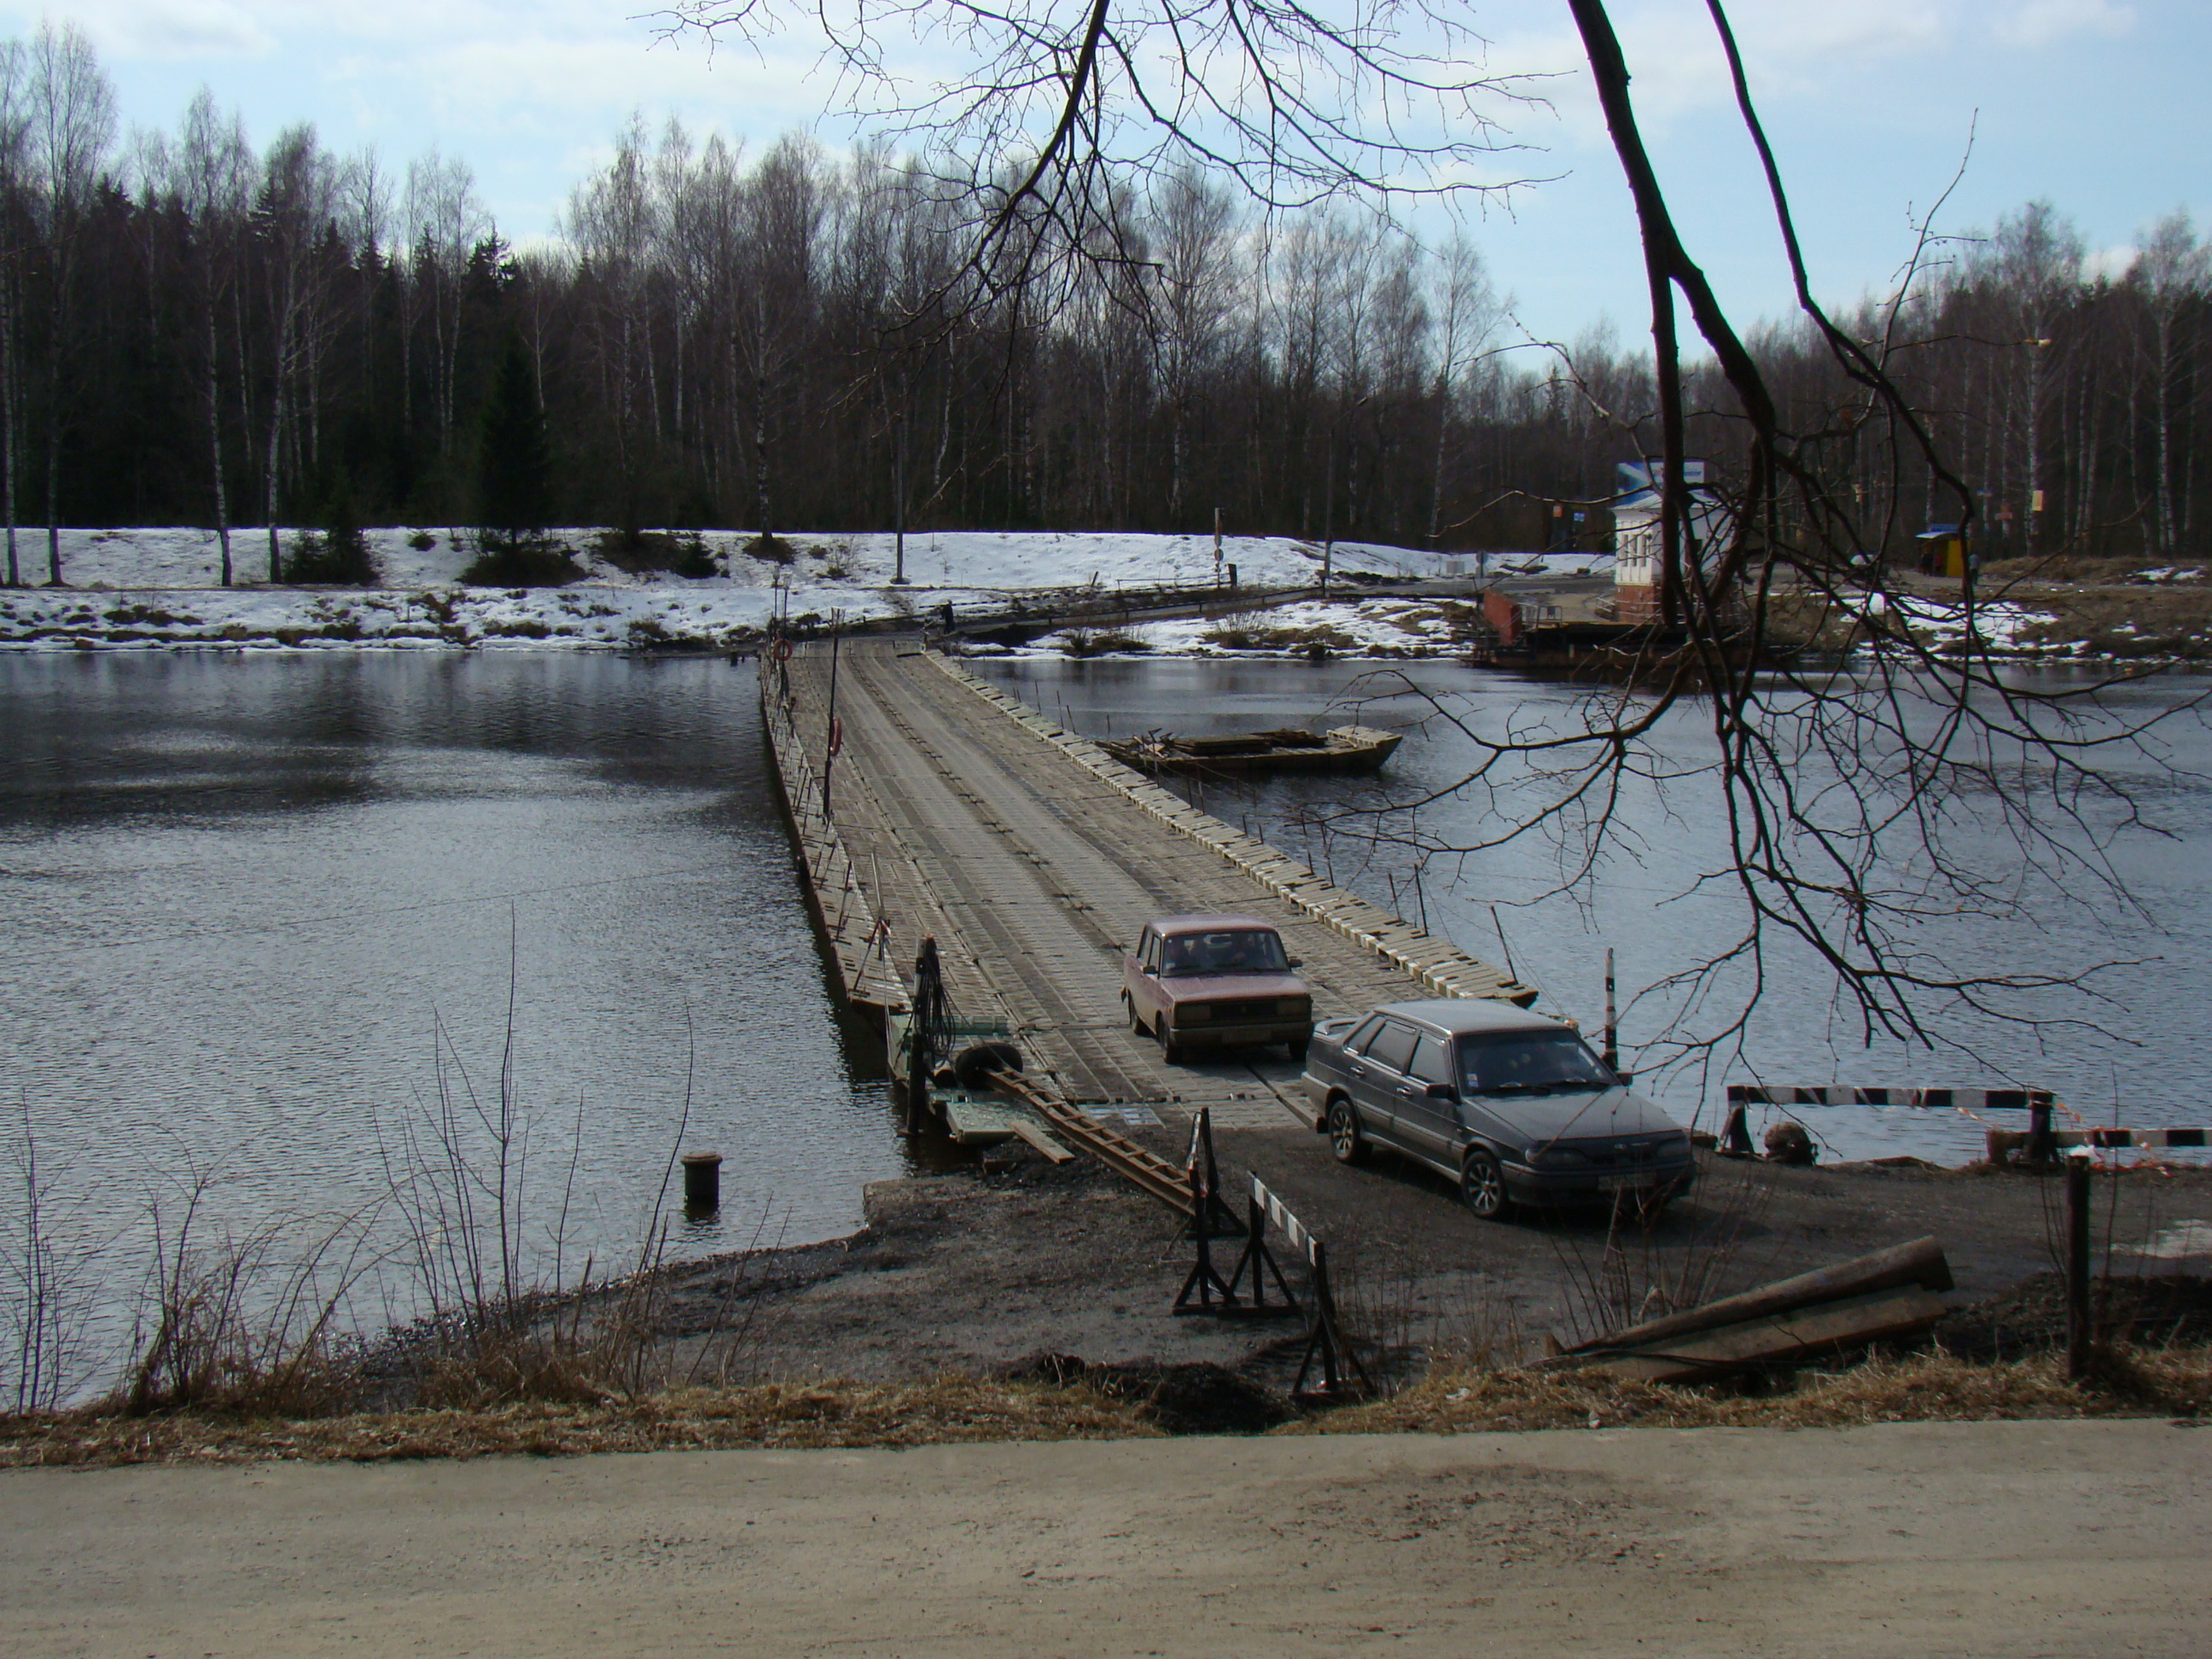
x=1129 y=1008
x=1297 y=1054
x=1482 y=1184
x=1170 y=1050
x=1346 y=1140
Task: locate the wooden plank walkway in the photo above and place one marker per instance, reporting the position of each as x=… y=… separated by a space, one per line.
x=1034 y=858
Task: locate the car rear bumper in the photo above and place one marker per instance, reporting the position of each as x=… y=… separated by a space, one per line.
x=1651 y=1183
x=1227 y=1036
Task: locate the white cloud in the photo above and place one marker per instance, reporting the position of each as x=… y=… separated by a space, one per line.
x=2044 y=22
x=165 y=30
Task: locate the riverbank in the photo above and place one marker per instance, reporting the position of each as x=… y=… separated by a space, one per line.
x=1025 y=1300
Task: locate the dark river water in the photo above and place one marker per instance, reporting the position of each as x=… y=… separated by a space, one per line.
x=256 y=908
x=260 y=916
x=2149 y=1067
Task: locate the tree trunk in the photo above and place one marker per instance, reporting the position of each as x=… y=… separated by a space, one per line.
x=8 y=430
x=211 y=408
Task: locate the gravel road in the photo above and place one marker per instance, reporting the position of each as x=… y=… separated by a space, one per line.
x=1942 y=1538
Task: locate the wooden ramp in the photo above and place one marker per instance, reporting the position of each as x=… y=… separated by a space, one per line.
x=1034 y=858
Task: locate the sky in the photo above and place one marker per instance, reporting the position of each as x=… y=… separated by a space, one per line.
x=2097 y=105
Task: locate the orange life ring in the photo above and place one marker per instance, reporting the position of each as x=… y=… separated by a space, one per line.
x=783 y=651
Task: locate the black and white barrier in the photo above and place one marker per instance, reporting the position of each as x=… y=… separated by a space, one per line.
x=2042 y=1144
x=1964 y=1100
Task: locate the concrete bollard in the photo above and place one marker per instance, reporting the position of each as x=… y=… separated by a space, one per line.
x=702 y=1180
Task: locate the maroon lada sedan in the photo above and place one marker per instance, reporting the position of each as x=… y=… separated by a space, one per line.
x=1215 y=980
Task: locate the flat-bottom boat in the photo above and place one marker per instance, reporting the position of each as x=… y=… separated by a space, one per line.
x=1345 y=749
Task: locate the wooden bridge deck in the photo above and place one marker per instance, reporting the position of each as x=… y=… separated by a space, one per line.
x=1034 y=858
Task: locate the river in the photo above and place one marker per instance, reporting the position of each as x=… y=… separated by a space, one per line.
x=256 y=908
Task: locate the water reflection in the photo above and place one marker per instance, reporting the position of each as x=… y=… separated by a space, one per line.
x=2149 y=1067
x=242 y=895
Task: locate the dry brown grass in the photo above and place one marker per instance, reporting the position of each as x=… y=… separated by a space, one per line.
x=1915 y=1388
x=941 y=1412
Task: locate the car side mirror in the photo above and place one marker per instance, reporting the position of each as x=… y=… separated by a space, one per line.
x=1627 y=1078
x=1444 y=1092
x=1295 y=962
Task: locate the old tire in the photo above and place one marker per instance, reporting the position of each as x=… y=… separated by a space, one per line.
x=1482 y=1183
x=972 y=1066
x=1346 y=1139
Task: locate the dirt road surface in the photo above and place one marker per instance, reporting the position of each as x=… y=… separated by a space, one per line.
x=1947 y=1539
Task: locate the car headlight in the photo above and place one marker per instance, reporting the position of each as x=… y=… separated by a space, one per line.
x=1555 y=1158
x=1294 y=1008
x=1191 y=1013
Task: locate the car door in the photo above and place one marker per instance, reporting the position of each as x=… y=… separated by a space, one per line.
x=1428 y=1127
x=1144 y=981
x=1381 y=1078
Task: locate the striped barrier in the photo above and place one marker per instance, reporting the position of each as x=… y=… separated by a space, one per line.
x=2009 y=1139
x=2041 y=1144
x=1343 y=1377
x=1963 y=1100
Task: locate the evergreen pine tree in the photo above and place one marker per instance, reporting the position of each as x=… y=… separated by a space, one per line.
x=514 y=477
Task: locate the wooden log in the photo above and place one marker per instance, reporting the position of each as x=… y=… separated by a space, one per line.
x=1037 y=1137
x=1920 y=1263
x=1774 y=1340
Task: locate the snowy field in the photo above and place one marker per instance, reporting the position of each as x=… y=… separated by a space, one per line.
x=150 y=587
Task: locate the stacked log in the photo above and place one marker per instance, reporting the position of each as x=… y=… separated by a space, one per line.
x=1890 y=1295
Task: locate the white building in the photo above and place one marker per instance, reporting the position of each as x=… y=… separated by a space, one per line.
x=1637 y=536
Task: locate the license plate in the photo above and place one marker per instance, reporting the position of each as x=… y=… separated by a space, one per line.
x=1627 y=1183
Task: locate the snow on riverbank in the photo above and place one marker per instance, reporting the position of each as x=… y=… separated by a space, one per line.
x=1381 y=627
x=156 y=586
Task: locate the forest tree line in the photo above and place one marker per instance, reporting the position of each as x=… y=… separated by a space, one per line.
x=196 y=330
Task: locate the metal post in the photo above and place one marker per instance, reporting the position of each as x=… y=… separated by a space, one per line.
x=1611 y=1036
x=2081 y=1332
x=702 y=1180
x=2041 y=1147
x=1216 y=547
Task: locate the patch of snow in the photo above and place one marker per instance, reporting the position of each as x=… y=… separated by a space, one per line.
x=1944 y=622
x=1366 y=626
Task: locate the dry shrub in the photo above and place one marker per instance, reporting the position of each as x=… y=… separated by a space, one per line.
x=1915 y=1388
x=948 y=1411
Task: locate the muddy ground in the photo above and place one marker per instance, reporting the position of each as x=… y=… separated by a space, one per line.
x=974 y=1271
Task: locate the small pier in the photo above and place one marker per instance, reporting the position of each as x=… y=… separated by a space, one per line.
x=1033 y=857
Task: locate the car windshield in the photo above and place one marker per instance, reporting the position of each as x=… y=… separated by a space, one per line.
x=1529 y=1063
x=1230 y=950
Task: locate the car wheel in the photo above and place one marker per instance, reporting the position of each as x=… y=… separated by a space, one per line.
x=1170 y=1050
x=1130 y=1009
x=1297 y=1054
x=1344 y=1139
x=1482 y=1181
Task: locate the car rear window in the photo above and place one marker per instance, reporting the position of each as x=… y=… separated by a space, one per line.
x=1227 y=951
x=1394 y=1047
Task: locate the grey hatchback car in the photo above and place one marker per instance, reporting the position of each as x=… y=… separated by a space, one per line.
x=1511 y=1105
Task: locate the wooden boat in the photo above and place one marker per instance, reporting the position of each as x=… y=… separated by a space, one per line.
x=1346 y=749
